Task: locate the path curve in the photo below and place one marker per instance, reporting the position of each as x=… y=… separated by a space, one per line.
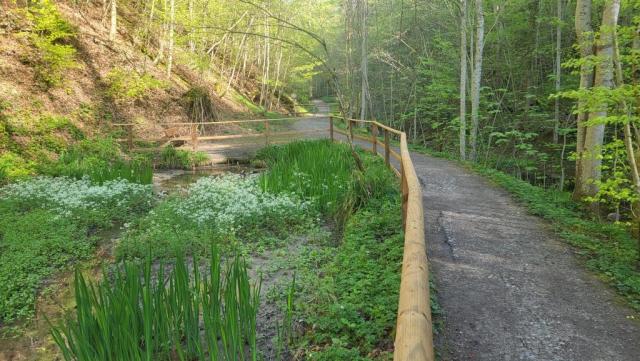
x=509 y=288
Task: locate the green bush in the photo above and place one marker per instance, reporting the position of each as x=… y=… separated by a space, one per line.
x=326 y=175
x=129 y=85
x=13 y=167
x=172 y=158
x=50 y=36
x=100 y=160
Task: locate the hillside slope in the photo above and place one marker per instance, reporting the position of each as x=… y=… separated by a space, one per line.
x=62 y=80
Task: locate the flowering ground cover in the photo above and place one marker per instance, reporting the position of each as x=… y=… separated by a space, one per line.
x=47 y=224
x=225 y=210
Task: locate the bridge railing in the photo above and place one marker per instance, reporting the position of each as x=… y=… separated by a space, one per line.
x=414 y=334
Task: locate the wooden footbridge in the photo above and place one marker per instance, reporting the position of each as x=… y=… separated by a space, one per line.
x=414 y=336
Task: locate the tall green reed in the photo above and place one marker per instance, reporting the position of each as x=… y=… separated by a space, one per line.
x=176 y=312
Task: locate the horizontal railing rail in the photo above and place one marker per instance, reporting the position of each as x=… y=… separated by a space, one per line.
x=414 y=334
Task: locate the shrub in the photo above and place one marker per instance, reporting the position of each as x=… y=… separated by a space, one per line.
x=100 y=160
x=172 y=158
x=129 y=85
x=50 y=36
x=13 y=167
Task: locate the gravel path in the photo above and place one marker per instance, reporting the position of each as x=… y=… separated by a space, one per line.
x=509 y=288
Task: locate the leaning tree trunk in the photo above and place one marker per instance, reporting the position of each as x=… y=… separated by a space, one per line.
x=477 y=77
x=591 y=172
x=584 y=33
x=463 y=79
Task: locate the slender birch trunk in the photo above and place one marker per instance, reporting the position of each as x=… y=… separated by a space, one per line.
x=114 y=20
x=171 y=36
x=556 y=125
x=364 y=62
x=477 y=77
x=463 y=79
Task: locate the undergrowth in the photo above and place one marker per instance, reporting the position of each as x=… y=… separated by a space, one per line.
x=47 y=224
x=172 y=158
x=169 y=312
x=349 y=290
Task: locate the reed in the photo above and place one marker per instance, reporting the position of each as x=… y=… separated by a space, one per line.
x=172 y=313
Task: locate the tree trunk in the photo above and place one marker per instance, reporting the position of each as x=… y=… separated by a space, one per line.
x=556 y=125
x=364 y=63
x=584 y=33
x=463 y=79
x=594 y=134
x=172 y=22
x=192 y=43
x=477 y=77
x=114 y=20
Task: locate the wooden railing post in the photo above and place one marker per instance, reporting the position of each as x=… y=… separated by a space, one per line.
x=266 y=132
x=374 y=138
x=130 y=136
x=351 y=129
x=331 y=128
x=387 y=150
x=194 y=137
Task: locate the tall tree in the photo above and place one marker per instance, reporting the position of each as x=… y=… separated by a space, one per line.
x=114 y=20
x=364 y=63
x=558 y=70
x=584 y=33
x=591 y=171
x=172 y=24
x=463 y=79
x=477 y=78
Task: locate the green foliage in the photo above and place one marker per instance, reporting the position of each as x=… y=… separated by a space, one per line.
x=351 y=291
x=189 y=314
x=172 y=158
x=129 y=85
x=222 y=210
x=608 y=248
x=324 y=174
x=13 y=167
x=616 y=188
x=46 y=225
x=34 y=245
x=50 y=36
x=101 y=161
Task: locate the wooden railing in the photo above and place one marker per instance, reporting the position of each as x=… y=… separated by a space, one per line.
x=414 y=335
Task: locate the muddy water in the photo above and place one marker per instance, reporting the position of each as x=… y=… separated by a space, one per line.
x=172 y=180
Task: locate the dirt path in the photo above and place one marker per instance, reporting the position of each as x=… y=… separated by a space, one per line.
x=509 y=288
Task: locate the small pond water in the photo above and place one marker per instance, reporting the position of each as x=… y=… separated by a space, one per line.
x=172 y=180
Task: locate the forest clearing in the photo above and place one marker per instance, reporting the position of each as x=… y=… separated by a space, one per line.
x=319 y=180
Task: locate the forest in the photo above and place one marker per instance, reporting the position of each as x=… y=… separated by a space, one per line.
x=203 y=177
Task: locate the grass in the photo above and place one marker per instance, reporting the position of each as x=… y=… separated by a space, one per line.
x=176 y=312
x=324 y=174
x=172 y=158
x=348 y=291
x=100 y=160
